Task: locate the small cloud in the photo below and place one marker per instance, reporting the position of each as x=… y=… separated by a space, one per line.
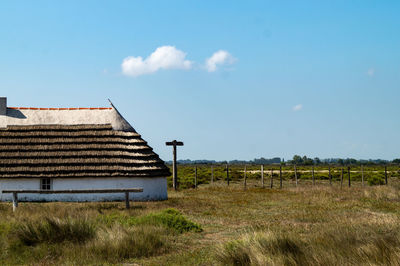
x=297 y=107
x=105 y=71
x=164 y=57
x=219 y=58
x=371 y=72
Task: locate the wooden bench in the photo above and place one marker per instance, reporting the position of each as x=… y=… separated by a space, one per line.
x=72 y=191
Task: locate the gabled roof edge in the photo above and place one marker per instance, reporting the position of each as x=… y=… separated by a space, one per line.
x=121 y=124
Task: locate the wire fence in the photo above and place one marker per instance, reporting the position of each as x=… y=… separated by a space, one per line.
x=280 y=176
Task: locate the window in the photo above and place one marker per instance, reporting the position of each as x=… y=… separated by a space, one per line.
x=45 y=184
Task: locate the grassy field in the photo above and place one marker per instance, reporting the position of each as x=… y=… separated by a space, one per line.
x=214 y=224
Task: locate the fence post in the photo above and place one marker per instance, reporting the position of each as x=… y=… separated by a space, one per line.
x=212 y=174
x=313 y=177
x=262 y=176
x=127 y=200
x=15 y=201
x=330 y=176
x=195 y=176
x=362 y=175
x=280 y=176
x=245 y=177
x=227 y=173
x=272 y=178
x=295 y=174
x=341 y=179
x=348 y=170
x=386 y=182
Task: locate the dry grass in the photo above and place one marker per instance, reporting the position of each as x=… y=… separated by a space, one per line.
x=53 y=230
x=319 y=225
x=119 y=243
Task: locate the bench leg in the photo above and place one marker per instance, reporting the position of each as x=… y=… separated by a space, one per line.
x=127 y=200
x=15 y=201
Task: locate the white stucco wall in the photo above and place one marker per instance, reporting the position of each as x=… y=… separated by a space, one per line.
x=153 y=189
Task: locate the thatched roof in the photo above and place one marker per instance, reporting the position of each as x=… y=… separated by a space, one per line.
x=95 y=142
x=24 y=116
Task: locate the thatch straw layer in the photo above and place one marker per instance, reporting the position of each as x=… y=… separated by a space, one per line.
x=73 y=147
x=76 y=151
x=74 y=160
x=91 y=140
x=70 y=134
x=72 y=154
x=32 y=128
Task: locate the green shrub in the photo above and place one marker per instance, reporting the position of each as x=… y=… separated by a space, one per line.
x=53 y=230
x=256 y=175
x=375 y=180
x=170 y=218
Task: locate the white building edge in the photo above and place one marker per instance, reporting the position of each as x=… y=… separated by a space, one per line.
x=75 y=149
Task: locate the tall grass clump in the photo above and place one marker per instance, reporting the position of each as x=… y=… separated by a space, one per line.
x=119 y=243
x=53 y=230
x=235 y=253
x=343 y=246
x=263 y=248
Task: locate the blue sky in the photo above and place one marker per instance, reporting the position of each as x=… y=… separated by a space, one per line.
x=315 y=78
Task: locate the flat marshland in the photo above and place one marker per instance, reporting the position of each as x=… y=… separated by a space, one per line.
x=213 y=224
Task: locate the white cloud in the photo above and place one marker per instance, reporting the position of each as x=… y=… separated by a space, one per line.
x=219 y=58
x=297 y=107
x=371 y=72
x=164 y=57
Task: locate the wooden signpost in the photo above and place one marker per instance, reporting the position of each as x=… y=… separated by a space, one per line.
x=174 y=143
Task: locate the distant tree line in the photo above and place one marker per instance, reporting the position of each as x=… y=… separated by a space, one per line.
x=261 y=160
x=297 y=159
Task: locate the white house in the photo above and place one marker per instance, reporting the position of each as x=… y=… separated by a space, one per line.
x=75 y=148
